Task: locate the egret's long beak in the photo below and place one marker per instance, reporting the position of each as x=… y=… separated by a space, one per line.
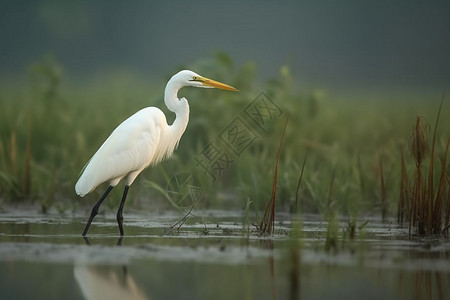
x=215 y=84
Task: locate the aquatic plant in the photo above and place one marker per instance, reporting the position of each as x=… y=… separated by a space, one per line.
x=425 y=201
x=267 y=224
x=296 y=203
x=384 y=207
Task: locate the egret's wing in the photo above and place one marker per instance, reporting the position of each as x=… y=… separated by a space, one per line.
x=130 y=147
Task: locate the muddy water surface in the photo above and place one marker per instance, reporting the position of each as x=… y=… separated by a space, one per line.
x=214 y=255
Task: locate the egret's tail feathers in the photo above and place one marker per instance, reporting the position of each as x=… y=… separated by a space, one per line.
x=82 y=187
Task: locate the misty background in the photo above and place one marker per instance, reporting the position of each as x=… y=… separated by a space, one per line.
x=343 y=45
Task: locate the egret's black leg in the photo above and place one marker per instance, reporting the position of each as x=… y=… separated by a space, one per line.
x=94 y=211
x=119 y=212
x=86 y=241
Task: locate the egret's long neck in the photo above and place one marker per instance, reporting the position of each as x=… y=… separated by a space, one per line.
x=179 y=106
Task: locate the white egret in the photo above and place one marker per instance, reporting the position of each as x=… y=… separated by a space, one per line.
x=142 y=140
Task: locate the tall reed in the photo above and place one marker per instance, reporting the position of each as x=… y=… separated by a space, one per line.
x=267 y=225
x=428 y=201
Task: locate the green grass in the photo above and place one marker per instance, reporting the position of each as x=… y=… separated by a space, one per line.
x=51 y=125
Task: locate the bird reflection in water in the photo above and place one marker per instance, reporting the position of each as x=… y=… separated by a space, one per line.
x=106 y=282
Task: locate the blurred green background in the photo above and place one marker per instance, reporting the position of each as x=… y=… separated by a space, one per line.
x=352 y=76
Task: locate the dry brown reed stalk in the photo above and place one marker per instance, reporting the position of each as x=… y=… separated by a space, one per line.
x=404 y=204
x=384 y=208
x=429 y=204
x=445 y=230
x=429 y=197
x=419 y=149
x=267 y=225
x=440 y=195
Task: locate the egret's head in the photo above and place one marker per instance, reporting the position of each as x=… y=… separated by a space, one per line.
x=189 y=78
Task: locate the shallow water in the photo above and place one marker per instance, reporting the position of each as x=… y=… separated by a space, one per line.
x=213 y=256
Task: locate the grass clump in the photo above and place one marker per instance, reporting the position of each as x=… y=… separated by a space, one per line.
x=425 y=201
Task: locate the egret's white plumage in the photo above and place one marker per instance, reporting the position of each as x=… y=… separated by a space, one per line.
x=142 y=140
